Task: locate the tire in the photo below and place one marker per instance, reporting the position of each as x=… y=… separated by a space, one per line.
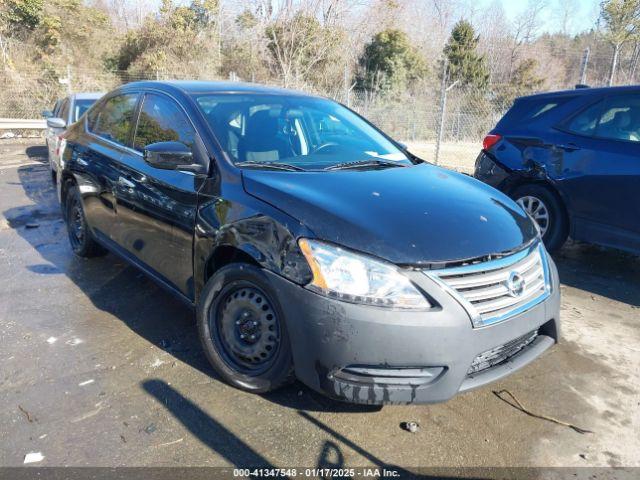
x=536 y=199
x=236 y=302
x=54 y=172
x=82 y=242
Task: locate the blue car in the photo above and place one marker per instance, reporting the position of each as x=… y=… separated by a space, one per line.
x=571 y=159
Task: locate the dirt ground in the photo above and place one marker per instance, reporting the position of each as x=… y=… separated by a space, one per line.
x=100 y=367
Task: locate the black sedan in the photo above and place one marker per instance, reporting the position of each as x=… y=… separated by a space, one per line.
x=310 y=244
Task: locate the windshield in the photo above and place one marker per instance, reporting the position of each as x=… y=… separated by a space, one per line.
x=81 y=106
x=303 y=133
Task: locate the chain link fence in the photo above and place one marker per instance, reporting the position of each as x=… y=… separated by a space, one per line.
x=415 y=119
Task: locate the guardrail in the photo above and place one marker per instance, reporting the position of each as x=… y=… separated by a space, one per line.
x=22 y=124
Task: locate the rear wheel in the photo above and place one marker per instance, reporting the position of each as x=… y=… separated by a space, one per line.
x=82 y=242
x=547 y=211
x=242 y=329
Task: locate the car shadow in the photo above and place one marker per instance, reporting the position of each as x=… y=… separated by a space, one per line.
x=37 y=152
x=600 y=271
x=225 y=443
x=115 y=287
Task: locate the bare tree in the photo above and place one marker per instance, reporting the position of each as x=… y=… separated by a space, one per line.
x=525 y=29
x=298 y=42
x=621 y=20
x=566 y=12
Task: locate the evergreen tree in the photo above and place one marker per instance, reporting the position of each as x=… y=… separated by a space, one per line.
x=524 y=81
x=465 y=64
x=390 y=62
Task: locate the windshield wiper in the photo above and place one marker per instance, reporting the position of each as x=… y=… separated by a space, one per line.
x=364 y=164
x=271 y=165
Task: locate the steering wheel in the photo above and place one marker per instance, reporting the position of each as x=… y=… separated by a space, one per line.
x=324 y=146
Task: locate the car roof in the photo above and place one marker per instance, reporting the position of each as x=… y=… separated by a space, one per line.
x=86 y=95
x=585 y=91
x=191 y=87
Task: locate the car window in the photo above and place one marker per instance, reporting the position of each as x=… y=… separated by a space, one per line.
x=620 y=119
x=532 y=108
x=80 y=107
x=162 y=120
x=64 y=110
x=56 y=108
x=112 y=119
x=543 y=109
x=305 y=132
x=586 y=121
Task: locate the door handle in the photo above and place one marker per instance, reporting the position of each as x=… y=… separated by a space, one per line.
x=125 y=183
x=569 y=147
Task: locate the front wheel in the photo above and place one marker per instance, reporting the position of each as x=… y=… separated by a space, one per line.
x=547 y=211
x=242 y=329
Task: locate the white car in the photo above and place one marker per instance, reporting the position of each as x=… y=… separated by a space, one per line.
x=65 y=112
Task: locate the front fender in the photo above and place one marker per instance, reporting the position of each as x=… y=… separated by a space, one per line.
x=264 y=233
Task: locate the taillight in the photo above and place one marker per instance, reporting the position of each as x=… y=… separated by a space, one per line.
x=490 y=140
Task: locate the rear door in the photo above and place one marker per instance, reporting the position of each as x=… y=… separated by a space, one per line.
x=96 y=161
x=600 y=159
x=62 y=111
x=156 y=207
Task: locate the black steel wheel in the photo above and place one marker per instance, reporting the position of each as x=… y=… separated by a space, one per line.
x=247 y=329
x=80 y=238
x=243 y=331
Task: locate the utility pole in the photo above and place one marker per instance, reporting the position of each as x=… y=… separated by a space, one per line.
x=614 y=63
x=443 y=106
x=345 y=85
x=67 y=81
x=583 y=68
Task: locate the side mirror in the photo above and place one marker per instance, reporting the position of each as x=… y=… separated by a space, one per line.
x=46 y=114
x=171 y=156
x=55 y=122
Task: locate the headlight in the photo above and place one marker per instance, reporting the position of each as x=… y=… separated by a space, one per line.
x=356 y=278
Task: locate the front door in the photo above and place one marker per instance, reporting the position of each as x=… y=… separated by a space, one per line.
x=156 y=208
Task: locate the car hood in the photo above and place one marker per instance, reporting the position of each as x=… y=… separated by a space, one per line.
x=414 y=215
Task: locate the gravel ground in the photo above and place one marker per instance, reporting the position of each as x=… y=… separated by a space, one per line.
x=100 y=367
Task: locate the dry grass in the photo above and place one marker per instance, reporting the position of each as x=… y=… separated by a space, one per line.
x=460 y=156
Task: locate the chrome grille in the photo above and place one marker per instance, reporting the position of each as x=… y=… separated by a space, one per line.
x=500 y=354
x=495 y=290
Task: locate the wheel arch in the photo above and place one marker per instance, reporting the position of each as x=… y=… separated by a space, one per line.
x=227 y=254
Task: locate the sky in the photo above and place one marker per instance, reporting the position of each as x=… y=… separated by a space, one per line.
x=583 y=18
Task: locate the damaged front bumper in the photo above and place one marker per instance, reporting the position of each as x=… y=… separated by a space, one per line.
x=374 y=355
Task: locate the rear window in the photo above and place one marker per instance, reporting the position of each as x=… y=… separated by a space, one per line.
x=80 y=107
x=527 y=109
